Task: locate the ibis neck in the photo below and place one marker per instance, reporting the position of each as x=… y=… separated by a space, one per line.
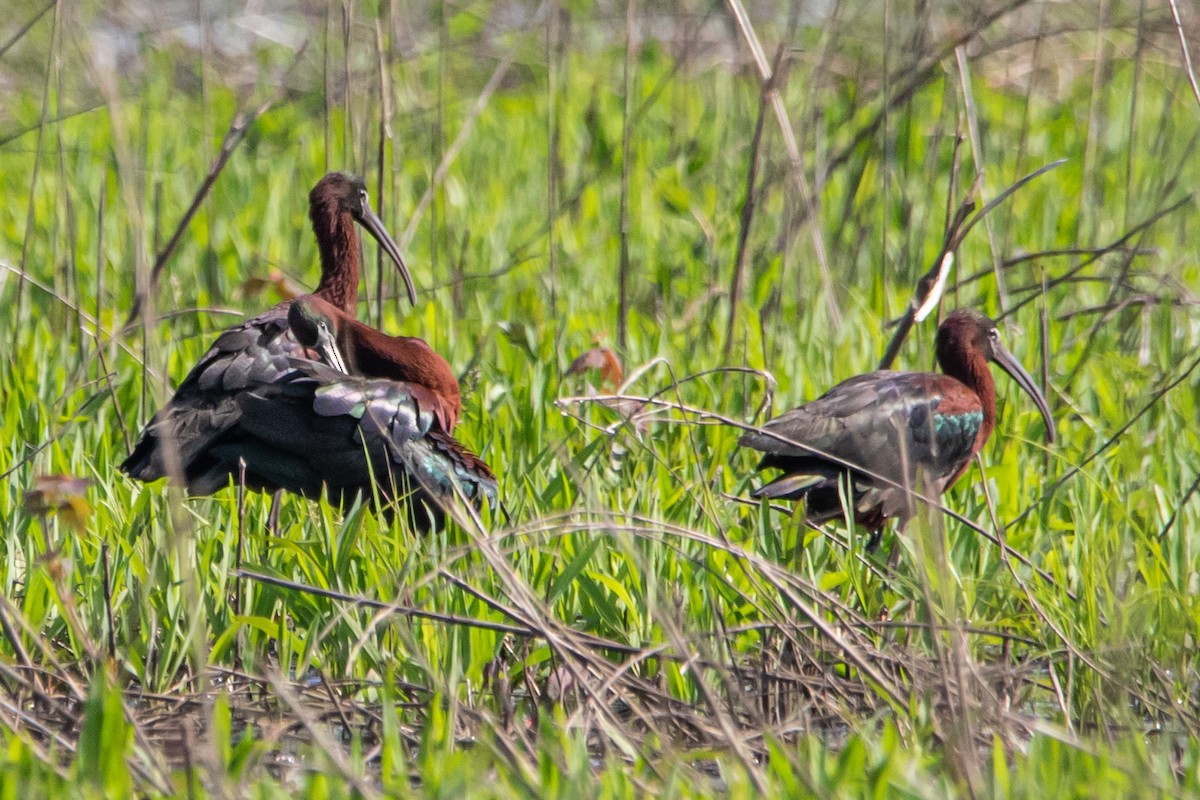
x=975 y=373
x=337 y=239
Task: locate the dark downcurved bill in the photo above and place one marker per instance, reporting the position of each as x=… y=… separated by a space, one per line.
x=327 y=349
x=1017 y=373
x=374 y=226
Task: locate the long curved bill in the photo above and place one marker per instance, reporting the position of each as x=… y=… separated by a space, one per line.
x=1015 y=371
x=327 y=349
x=374 y=226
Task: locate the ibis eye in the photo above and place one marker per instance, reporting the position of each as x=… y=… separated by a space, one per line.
x=362 y=197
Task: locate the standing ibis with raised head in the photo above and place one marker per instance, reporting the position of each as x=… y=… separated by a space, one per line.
x=893 y=433
x=258 y=352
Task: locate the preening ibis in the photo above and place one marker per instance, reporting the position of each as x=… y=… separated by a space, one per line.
x=319 y=428
x=354 y=348
x=258 y=352
x=893 y=431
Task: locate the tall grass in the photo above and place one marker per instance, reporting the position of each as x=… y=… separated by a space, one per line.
x=632 y=625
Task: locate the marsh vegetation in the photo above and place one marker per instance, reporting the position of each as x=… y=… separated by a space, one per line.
x=562 y=177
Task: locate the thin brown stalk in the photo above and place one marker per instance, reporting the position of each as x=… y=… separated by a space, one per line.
x=367 y=602
x=14 y=134
x=1027 y=97
x=238 y=127
x=235 y=602
x=1183 y=501
x=747 y=219
x=554 y=49
x=934 y=279
x=385 y=136
x=14 y=639
x=1134 y=155
x=97 y=337
x=972 y=117
x=623 y=213
x=29 y=236
x=1089 y=200
x=770 y=80
x=347 y=84
x=443 y=168
x=437 y=141
x=1183 y=46
x=108 y=602
x=24 y=29
x=327 y=84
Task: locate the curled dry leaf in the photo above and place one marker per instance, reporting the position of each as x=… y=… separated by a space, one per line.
x=603 y=359
x=612 y=375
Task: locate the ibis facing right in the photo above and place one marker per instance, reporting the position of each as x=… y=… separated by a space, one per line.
x=892 y=434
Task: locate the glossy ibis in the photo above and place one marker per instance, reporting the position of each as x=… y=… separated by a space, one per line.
x=893 y=432
x=259 y=351
x=319 y=428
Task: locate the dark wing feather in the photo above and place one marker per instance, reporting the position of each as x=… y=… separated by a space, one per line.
x=444 y=466
x=403 y=418
x=257 y=352
x=318 y=430
x=251 y=354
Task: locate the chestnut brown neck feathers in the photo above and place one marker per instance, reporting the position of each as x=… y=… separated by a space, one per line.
x=337 y=241
x=963 y=352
